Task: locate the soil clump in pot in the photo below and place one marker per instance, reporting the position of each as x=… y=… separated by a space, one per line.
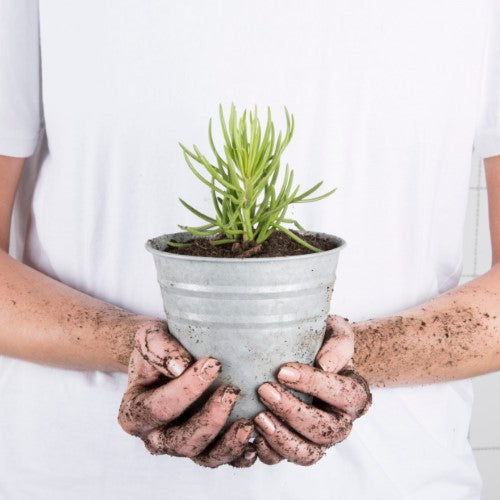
x=277 y=245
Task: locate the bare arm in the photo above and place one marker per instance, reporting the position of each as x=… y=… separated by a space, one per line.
x=454 y=336
x=45 y=321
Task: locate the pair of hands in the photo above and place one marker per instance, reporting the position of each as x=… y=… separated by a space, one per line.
x=164 y=382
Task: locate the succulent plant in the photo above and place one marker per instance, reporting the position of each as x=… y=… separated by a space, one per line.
x=249 y=196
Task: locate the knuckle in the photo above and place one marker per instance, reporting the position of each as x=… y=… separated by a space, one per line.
x=344 y=428
x=192 y=389
x=356 y=400
x=189 y=452
x=269 y=459
x=159 y=442
x=154 y=445
x=360 y=394
x=127 y=418
x=344 y=431
x=354 y=386
x=313 y=456
x=335 y=431
x=219 y=418
x=205 y=462
x=315 y=380
x=125 y=424
x=265 y=453
x=242 y=463
x=364 y=402
x=128 y=426
x=152 y=448
x=216 y=416
x=326 y=440
x=366 y=407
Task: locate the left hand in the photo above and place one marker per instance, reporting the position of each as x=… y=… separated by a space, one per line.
x=301 y=432
x=163 y=383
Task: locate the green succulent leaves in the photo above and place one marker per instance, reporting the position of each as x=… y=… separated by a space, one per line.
x=249 y=196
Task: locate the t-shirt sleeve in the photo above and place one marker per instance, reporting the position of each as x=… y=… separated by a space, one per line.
x=20 y=108
x=487 y=137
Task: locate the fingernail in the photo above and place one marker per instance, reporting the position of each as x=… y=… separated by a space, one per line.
x=289 y=374
x=328 y=363
x=249 y=455
x=243 y=432
x=229 y=395
x=210 y=368
x=265 y=423
x=176 y=366
x=269 y=393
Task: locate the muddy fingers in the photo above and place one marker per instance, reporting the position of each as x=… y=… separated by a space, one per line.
x=160 y=350
x=347 y=391
x=192 y=437
x=318 y=426
x=247 y=458
x=338 y=348
x=266 y=454
x=229 y=447
x=287 y=443
x=144 y=409
x=301 y=432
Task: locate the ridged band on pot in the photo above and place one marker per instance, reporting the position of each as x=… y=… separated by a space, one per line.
x=253 y=314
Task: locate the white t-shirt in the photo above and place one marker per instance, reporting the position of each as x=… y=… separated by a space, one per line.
x=390 y=97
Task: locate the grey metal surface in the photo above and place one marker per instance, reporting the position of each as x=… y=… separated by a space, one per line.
x=253 y=315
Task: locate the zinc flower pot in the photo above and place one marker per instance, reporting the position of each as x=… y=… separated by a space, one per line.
x=252 y=314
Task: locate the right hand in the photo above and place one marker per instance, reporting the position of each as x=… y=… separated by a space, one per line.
x=301 y=432
x=162 y=384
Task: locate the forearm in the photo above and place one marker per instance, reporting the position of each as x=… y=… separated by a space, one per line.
x=455 y=335
x=45 y=321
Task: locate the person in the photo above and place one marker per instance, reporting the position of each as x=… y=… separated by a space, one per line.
x=390 y=98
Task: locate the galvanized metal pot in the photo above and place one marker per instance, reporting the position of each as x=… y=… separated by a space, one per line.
x=251 y=314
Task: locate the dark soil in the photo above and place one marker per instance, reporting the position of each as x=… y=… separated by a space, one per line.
x=277 y=245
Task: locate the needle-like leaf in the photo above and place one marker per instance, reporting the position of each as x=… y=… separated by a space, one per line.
x=248 y=202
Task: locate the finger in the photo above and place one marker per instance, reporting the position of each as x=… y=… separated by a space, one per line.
x=143 y=410
x=161 y=350
x=361 y=381
x=192 y=437
x=265 y=453
x=338 y=347
x=320 y=427
x=229 y=447
x=247 y=458
x=285 y=442
x=346 y=391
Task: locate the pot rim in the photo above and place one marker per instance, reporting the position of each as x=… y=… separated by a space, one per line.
x=341 y=243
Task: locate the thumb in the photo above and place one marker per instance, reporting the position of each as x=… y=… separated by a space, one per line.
x=161 y=350
x=338 y=348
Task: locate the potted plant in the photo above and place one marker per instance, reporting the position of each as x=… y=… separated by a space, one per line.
x=243 y=287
